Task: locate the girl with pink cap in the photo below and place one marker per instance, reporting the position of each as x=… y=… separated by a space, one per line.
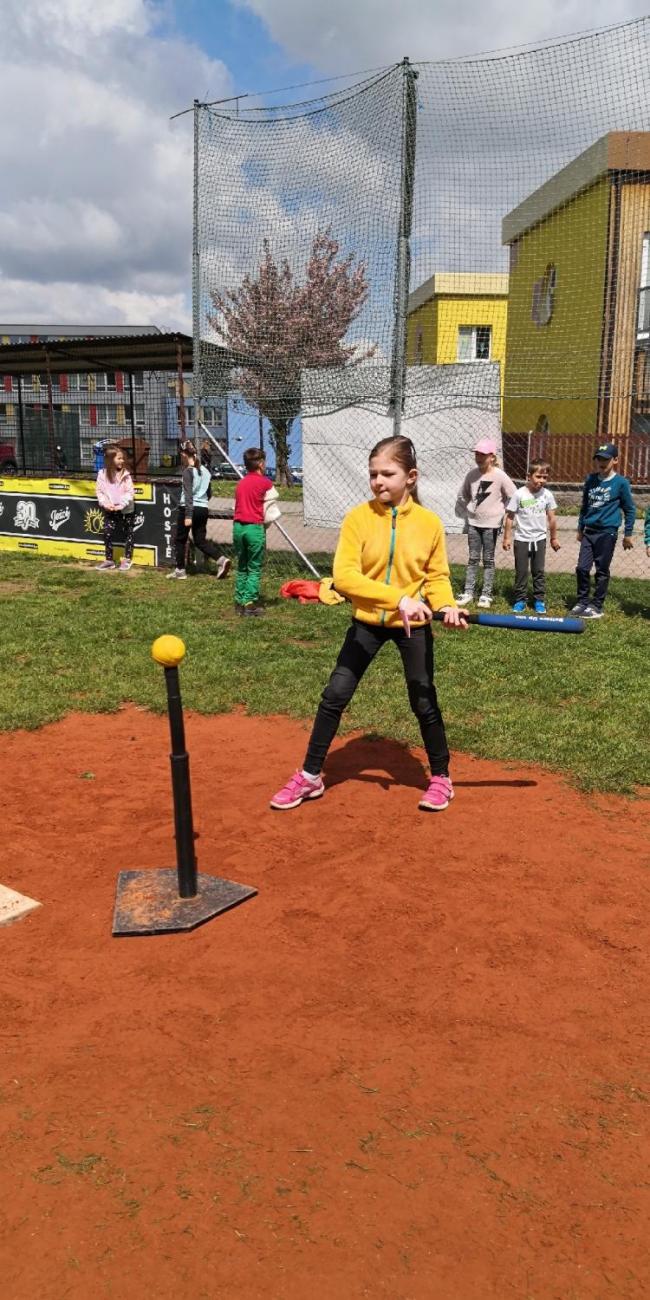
x=482 y=501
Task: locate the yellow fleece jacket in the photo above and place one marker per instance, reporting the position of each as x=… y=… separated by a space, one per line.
x=385 y=553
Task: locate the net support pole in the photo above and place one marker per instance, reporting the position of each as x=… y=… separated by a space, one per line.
x=403 y=265
x=181 y=389
x=197 y=381
x=275 y=524
x=132 y=423
x=21 y=424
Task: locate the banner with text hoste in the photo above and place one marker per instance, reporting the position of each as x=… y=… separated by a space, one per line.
x=62 y=517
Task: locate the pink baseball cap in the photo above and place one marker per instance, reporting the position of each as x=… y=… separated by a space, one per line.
x=486 y=446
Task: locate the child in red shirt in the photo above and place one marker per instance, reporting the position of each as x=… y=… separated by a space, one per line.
x=249 y=536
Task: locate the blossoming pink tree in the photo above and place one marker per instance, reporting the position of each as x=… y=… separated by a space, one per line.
x=285 y=327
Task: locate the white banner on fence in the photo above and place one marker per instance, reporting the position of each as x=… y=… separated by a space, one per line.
x=442 y=425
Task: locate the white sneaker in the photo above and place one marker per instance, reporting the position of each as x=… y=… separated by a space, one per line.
x=223 y=566
x=177 y=573
x=483 y=602
x=465 y=598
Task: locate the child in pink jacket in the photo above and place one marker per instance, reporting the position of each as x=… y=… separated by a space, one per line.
x=115 y=494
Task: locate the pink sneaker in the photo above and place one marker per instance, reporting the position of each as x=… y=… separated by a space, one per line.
x=296 y=791
x=439 y=794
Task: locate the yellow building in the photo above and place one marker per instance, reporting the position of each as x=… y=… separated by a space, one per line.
x=456 y=317
x=579 y=304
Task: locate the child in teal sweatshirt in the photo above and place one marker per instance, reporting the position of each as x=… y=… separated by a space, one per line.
x=606 y=499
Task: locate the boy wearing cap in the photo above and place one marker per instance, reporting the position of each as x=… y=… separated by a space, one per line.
x=606 y=498
x=482 y=500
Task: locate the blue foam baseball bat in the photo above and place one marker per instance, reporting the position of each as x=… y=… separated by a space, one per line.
x=523 y=622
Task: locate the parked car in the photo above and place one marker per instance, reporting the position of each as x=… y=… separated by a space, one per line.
x=226 y=471
x=8 y=462
x=296 y=472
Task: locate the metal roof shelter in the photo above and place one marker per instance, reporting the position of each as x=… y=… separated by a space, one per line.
x=129 y=352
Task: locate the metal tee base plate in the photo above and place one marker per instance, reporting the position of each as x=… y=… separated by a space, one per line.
x=147 y=902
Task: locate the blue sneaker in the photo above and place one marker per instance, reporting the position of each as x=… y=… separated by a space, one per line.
x=540 y=607
x=519 y=607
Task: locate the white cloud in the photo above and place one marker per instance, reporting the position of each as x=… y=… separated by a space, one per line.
x=95 y=219
x=341 y=37
x=62 y=302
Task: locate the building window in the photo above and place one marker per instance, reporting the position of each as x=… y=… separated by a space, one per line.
x=544 y=296
x=211 y=415
x=643 y=324
x=106 y=415
x=3 y=412
x=474 y=342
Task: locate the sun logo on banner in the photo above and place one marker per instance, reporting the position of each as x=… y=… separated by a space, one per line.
x=94 y=521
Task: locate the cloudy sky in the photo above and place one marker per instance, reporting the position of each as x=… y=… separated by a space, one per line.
x=95 y=214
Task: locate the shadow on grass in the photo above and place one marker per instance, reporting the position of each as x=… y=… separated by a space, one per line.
x=634 y=608
x=373 y=760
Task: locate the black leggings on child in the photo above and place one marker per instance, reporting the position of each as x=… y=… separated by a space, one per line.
x=201 y=542
x=112 y=520
x=361 y=644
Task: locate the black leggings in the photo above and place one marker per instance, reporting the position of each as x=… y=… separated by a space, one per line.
x=114 y=519
x=201 y=542
x=361 y=644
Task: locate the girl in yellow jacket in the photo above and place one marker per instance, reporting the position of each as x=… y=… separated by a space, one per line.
x=391 y=562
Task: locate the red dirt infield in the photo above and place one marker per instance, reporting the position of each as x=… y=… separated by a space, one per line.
x=415 y=1067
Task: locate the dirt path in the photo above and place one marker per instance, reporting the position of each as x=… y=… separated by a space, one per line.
x=416 y=1066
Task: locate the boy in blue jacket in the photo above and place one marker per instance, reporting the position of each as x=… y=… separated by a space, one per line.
x=606 y=498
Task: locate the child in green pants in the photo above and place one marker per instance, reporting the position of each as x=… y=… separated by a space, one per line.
x=249 y=536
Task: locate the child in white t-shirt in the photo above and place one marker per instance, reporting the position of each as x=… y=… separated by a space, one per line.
x=532 y=511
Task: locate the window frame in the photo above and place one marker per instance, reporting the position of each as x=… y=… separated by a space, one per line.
x=471 y=331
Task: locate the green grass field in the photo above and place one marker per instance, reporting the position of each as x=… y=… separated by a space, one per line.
x=74 y=639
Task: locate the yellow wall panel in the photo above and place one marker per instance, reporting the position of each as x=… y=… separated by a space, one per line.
x=421 y=335
x=554 y=369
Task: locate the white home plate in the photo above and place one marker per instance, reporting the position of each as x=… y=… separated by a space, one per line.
x=13 y=905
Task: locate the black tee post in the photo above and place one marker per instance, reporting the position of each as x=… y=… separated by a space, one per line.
x=181 y=789
x=163 y=901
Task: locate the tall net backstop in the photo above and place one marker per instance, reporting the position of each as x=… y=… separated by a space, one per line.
x=457 y=249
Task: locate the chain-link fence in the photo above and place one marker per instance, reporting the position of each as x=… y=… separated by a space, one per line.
x=460 y=249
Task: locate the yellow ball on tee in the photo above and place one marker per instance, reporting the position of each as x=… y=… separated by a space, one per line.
x=168 y=651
